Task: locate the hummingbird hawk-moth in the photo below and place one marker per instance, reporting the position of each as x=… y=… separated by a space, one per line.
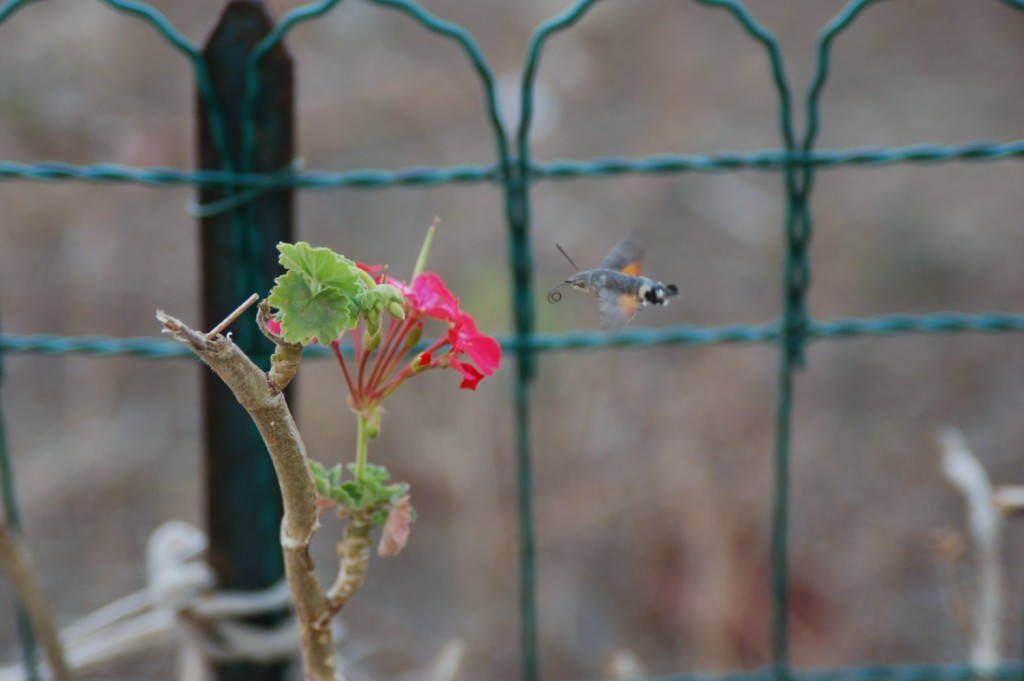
x=618 y=283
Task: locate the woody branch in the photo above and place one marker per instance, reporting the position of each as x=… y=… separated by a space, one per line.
x=265 y=402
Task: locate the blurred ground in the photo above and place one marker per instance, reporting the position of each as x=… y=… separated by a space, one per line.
x=653 y=467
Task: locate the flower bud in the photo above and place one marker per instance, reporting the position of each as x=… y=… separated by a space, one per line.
x=371 y=341
x=421 y=362
x=373 y=425
x=372 y=318
x=389 y=292
x=413 y=337
x=396 y=310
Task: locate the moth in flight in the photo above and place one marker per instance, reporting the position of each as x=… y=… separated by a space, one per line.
x=618 y=283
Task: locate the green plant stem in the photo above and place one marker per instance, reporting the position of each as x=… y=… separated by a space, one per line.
x=361 y=442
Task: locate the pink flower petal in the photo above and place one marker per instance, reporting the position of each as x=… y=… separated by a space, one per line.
x=372 y=270
x=471 y=376
x=432 y=298
x=481 y=348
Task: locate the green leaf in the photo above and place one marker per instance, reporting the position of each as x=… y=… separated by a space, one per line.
x=350 y=488
x=393 y=493
x=377 y=473
x=340 y=496
x=306 y=315
x=322 y=266
x=320 y=479
x=317 y=297
x=322 y=488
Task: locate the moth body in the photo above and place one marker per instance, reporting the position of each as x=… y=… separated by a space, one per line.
x=618 y=284
x=644 y=290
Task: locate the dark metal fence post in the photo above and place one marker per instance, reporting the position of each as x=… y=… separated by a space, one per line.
x=239 y=258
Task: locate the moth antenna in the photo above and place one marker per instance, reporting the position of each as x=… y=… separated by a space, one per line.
x=554 y=295
x=562 y=251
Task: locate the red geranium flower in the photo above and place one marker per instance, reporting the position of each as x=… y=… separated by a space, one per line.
x=473 y=354
x=482 y=349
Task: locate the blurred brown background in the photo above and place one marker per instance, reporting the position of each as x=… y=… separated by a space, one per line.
x=653 y=466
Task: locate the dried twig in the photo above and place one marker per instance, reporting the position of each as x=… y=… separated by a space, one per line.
x=235 y=314
x=16 y=563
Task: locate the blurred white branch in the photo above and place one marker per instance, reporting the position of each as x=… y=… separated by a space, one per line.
x=623 y=664
x=985 y=524
x=449 y=661
x=178 y=607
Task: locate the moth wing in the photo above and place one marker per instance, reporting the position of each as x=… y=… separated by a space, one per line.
x=633 y=269
x=616 y=308
x=627 y=255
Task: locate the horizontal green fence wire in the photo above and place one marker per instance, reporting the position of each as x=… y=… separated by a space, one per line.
x=515 y=171
x=838 y=328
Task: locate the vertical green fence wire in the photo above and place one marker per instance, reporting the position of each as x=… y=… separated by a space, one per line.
x=239 y=183
x=796 y=278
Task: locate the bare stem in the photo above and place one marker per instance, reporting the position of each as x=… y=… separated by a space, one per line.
x=284 y=363
x=355 y=557
x=16 y=562
x=268 y=409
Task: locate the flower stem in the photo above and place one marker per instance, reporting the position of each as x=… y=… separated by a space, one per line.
x=384 y=353
x=336 y=348
x=357 y=350
x=361 y=440
x=391 y=385
x=384 y=366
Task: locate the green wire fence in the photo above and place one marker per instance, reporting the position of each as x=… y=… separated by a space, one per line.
x=515 y=171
